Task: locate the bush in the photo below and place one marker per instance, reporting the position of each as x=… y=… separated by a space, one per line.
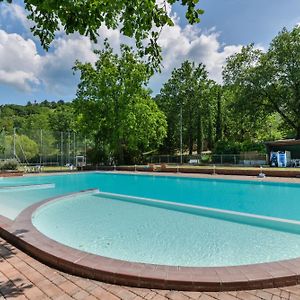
x=229 y=147
x=9 y=164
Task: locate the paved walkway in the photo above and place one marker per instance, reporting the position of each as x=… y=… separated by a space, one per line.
x=22 y=277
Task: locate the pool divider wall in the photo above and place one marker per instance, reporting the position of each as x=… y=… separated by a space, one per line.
x=233 y=216
x=7 y=188
x=25 y=236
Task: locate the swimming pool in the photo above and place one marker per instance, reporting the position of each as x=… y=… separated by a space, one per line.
x=138 y=230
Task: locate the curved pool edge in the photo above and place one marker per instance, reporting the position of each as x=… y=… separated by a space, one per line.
x=22 y=234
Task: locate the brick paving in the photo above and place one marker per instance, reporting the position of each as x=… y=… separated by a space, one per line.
x=22 y=277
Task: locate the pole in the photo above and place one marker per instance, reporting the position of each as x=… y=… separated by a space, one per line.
x=61 y=148
x=41 y=151
x=74 y=146
x=181 y=134
x=15 y=153
x=85 y=148
x=69 y=147
x=57 y=152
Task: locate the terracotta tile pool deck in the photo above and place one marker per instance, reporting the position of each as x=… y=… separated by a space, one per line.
x=22 y=277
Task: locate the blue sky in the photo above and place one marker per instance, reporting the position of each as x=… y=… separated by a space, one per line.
x=28 y=73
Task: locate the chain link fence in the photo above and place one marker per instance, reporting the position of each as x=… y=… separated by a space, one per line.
x=42 y=147
x=244 y=159
x=62 y=149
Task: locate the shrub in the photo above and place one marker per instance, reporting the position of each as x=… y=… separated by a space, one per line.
x=9 y=164
x=229 y=147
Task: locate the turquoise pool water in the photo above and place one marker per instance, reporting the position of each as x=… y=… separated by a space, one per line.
x=143 y=232
x=149 y=234
x=280 y=200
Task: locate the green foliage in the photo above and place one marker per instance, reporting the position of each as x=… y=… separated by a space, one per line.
x=226 y=147
x=259 y=101
x=188 y=90
x=135 y=17
x=115 y=108
x=230 y=147
x=26 y=148
x=8 y=164
x=63 y=119
x=268 y=83
x=2 y=142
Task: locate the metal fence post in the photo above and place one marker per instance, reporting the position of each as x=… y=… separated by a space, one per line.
x=61 y=148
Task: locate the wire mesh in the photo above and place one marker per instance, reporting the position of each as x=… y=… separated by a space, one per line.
x=42 y=147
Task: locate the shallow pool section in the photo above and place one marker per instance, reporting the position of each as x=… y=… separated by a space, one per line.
x=142 y=233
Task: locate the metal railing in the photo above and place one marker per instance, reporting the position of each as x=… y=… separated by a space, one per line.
x=212 y=159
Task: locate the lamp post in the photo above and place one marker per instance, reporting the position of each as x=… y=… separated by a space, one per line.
x=181 y=134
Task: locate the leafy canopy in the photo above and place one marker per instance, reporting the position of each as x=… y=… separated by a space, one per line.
x=115 y=107
x=268 y=83
x=140 y=19
x=188 y=90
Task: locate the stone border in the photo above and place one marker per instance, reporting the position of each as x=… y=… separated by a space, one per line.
x=11 y=173
x=25 y=236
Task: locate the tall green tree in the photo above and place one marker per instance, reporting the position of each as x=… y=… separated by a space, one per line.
x=219 y=113
x=137 y=18
x=185 y=92
x=268 y=83
x=115 y=107
x=63 y=119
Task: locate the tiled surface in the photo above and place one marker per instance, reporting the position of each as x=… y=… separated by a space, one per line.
x=22 y=277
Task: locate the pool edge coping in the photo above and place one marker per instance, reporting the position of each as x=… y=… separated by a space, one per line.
x=25 y=236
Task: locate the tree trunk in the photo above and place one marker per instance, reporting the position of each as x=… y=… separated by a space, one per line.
x=118 y=138
x=210 y=134
x=219 y=121
x=120 y=152
x=298 y=133
x=191 y=140
x=199 y=134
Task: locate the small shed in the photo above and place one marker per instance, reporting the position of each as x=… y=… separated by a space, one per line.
x=284 y=145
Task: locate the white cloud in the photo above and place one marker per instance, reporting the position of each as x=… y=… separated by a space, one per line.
x=19 y=79
x=22 y=67
x=189 y=43
x=19 y=61
x=56 y=67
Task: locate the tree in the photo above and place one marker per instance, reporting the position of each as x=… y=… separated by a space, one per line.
x=219 y=114
x=268 y=83
x=26 y=148
x=115 y=107
x=2 y=142
x=186 y=91
x=137 y=18
x=63 y=119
